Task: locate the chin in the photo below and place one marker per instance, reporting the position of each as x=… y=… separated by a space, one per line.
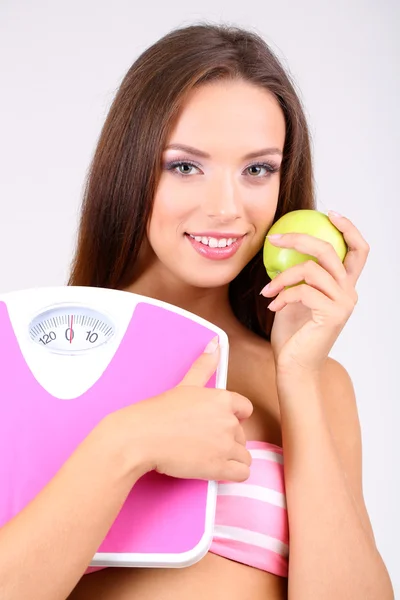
x=208 y=278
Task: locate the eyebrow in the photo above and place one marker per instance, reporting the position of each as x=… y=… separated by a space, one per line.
x=202 y=154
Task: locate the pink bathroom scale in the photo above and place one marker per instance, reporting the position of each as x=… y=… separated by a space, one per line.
x=69 y=356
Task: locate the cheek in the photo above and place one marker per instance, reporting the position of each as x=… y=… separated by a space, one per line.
x=166 y=214
x=171 y=202
x=262 y=214
x=169 y=214
x=261 y=203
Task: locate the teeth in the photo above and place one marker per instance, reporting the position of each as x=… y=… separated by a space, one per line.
x=213 y=242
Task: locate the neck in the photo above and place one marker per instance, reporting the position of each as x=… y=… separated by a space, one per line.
x=211 y=304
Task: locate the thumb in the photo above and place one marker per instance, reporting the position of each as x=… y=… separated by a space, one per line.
x=203 y=367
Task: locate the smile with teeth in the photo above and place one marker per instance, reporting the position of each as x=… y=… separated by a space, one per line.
x=213 y=242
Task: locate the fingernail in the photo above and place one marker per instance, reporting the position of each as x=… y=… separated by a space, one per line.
x=266 y=288
x=334 y=213
x=275 y=236
x=211 y=346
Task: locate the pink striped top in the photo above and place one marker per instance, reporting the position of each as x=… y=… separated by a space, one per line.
x=251 y=522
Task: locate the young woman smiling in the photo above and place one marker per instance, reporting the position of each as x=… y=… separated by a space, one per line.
x=205 y=146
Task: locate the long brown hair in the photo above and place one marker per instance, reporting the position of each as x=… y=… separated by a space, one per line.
x=126 y=166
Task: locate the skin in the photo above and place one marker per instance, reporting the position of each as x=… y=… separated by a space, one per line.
x=224 y=193
x=227 y=120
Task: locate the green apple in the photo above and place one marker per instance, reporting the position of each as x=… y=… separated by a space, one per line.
x=312 y=222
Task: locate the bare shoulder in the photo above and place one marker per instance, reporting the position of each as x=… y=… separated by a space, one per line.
x=342 y=412
x=340 y=401
x=253 y=374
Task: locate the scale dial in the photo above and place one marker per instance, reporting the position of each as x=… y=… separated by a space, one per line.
x=71 y=329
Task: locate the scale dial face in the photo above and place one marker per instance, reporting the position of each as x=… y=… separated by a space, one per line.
x=71 y=329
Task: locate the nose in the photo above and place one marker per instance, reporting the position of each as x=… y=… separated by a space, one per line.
x=221 y=201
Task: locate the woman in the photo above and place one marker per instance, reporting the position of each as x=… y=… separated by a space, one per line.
x=204 y=148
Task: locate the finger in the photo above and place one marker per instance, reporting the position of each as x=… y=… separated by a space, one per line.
x=235 y=471
x=305 y=294
x=240 y=436
x=203 y=367
x=312 y=246
x=241 y=406
x=357 y=254
x=308 y=272
x=241 y=454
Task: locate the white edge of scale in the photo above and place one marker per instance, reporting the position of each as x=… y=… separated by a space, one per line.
x=24 y=305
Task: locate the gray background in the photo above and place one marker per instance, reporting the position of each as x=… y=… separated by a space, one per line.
x=60 y=66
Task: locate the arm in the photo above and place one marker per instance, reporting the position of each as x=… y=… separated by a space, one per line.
x=332 y=549
x=185 y=432
x=66 y=519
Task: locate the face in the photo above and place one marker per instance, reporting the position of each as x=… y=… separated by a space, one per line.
x=214 y=202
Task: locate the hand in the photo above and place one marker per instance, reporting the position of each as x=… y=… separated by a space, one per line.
x=310 y=316
x=190 y=431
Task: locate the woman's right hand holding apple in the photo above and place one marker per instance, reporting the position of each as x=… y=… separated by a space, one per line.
x=189 y=431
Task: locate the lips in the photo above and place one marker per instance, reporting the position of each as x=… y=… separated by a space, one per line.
x=215 y=246
x=216 y=234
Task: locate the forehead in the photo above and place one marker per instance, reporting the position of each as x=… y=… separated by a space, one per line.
x=230 y=112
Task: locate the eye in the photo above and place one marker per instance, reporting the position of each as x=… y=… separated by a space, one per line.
x=269 y=169
x=186 y=166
